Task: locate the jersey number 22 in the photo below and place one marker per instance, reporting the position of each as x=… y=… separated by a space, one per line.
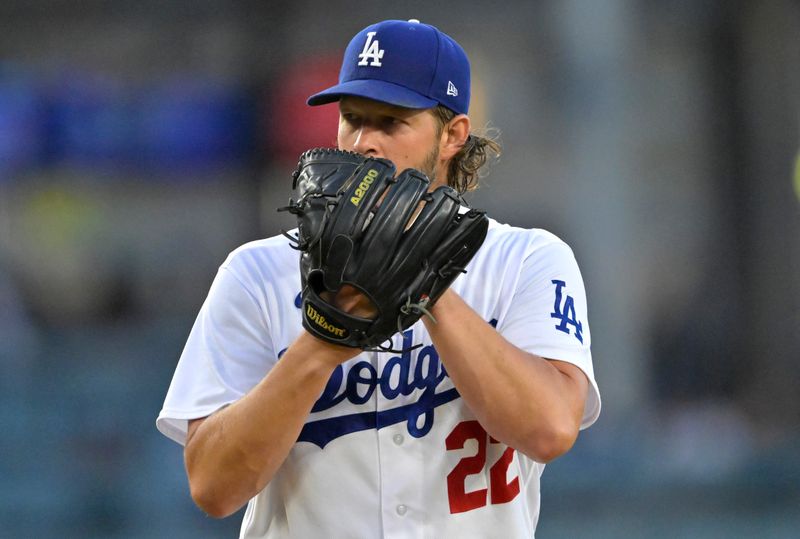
x=500 y=489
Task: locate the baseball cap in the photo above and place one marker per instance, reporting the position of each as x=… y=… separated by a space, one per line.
x=404 y=63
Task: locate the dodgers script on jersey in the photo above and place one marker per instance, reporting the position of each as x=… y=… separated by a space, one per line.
x=389 y=449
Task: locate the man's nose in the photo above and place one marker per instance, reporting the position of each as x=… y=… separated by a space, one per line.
x=367 y=142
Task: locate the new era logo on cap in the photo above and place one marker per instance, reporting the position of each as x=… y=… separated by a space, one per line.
x=403 y=63
x=451 y=89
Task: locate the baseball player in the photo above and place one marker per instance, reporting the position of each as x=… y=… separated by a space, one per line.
x=444 y=435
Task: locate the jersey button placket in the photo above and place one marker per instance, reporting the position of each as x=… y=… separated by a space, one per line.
x=398 y=462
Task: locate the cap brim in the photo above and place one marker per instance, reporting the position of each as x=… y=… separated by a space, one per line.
x=386 y=92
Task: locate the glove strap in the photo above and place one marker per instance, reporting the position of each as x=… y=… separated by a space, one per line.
x=330 y=324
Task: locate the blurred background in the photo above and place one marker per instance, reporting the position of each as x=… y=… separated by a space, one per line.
x=140 y=142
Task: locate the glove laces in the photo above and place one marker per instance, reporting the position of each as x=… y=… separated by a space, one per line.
x=419 y=307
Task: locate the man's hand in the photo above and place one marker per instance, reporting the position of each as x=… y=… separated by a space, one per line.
x=348 y=299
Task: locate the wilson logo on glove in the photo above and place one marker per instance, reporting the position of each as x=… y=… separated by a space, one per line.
x=321 y=323
x=363 y=187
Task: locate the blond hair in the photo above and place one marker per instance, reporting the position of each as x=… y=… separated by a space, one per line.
x=464 y=169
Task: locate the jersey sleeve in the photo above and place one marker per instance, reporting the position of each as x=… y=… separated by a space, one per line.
x=548 y=315
x=228 y=351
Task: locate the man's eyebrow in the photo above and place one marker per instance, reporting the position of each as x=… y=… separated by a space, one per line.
x=384 y=110
x=349 y=109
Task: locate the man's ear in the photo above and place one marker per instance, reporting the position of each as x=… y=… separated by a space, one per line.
x=454 y=136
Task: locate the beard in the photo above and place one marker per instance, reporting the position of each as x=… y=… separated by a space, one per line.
x=428 y=166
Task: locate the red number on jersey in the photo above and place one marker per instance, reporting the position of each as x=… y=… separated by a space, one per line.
x=460 y=499
x=502 y=491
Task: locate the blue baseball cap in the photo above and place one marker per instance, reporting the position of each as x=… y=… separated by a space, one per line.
x=403 y=63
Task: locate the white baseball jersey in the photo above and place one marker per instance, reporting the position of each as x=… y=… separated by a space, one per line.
x=389 y=449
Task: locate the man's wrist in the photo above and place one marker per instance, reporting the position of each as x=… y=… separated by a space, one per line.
x=327 y=353
x=442 y=303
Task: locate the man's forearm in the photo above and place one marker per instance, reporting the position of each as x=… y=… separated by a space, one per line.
x=232 y=455
x=522 y=400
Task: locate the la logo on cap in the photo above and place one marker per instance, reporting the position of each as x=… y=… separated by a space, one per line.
x=371 y=51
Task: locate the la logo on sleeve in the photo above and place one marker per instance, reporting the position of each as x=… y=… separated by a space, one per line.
x=564 y=310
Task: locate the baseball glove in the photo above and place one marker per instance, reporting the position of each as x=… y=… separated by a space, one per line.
x=388 y=237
